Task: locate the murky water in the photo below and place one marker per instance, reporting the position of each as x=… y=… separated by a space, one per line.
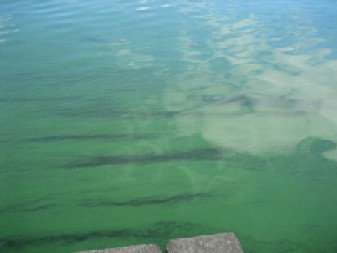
x=126 y=122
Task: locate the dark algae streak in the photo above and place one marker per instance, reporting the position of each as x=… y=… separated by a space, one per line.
x=160 y=230
x=175 y=199
x=197 y=154
x=97 y=137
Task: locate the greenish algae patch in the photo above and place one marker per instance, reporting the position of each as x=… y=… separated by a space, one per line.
x=239 y=192
x=200 y=118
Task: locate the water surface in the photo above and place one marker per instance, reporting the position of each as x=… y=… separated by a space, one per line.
x=126 y=122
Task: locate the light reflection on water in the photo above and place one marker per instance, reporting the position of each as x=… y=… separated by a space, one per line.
x=140 y=121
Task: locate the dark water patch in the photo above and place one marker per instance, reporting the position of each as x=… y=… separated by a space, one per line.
x=197 y=154
x=161 y=230
x=180 y=198
x=243 y=100
x=313 y=145
x=40 y=208
x=97 y=137
x=29 y=206
x=101 y=113
x=19 y=243
x=38 y=99
x=24 y=208
x=212 y=98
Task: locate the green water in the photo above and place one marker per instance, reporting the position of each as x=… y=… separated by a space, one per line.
x=127 y=122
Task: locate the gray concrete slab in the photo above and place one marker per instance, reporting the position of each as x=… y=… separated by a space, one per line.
x=144 y=248
x=219 y=243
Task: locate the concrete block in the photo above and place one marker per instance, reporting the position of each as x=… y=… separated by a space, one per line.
x=219 y=243
x=144 y=248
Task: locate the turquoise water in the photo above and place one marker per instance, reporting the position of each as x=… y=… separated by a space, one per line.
x=126 y=122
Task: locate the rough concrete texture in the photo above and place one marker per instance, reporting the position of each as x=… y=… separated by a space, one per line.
x=145 y=248
x=219 y=243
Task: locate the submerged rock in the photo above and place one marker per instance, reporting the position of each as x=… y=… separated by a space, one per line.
x=219 y=243
x=145 y=248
